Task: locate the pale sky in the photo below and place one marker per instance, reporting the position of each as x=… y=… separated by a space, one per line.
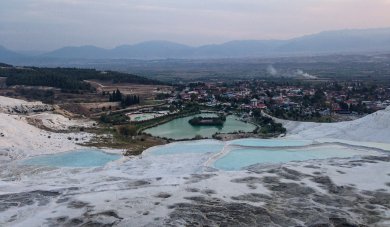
x=51 y=24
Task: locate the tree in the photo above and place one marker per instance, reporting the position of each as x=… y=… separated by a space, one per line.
x=256 y=113
x=129 y=100
x=127 y=130
x=116 y=96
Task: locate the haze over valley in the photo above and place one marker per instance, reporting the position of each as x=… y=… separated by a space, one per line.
x=330 y=42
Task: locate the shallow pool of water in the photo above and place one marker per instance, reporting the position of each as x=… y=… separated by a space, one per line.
x=204 y=146
x=236 y=159
x=79 y=158
x=271 y=142
x=181 y=129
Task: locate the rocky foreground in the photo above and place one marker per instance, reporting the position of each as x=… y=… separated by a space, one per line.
x=174 y=190
x=180 y=190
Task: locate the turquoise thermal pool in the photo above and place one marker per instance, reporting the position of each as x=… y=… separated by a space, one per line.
x=204 y=146
x=238 y=154
x=270 y=142
x=79 y=158
x=237 y=159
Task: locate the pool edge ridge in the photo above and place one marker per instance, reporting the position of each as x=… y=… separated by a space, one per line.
x=224 y=151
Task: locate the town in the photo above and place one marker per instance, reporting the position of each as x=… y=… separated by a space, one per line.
x=294 y=100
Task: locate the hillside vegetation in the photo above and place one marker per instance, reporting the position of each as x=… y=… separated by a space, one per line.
x=68 y=79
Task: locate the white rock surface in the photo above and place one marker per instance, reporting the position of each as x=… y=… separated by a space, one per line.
x=59 y=122
x=19 y=139
x=371 y=128
x=15 y=106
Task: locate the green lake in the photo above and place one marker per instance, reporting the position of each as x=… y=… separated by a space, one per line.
x=180 y=128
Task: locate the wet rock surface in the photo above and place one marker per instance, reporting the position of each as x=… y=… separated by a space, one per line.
x=163 y=195
x=327 y=183
x=282 y=208
x=252 y=197
x=297 y=194
x=38 y=197
x=104 y=218
x=291 y=202
x=216 y=212
x=195 y=178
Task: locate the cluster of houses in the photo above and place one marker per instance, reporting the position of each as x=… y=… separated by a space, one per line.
x=251 y=95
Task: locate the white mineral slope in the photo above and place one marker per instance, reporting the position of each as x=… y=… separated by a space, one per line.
x=19 y=139
x=11 y=102
x=371 y=128
x=58 y=122
x=11 y=105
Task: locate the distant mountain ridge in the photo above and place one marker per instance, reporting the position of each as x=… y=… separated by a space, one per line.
x=340 y=41
x=8 y=54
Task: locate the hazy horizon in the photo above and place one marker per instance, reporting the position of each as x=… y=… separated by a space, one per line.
x=51 y=24
x=186 y=44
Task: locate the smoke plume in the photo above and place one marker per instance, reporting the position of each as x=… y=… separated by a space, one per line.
x=300 y=73
x=272 y=71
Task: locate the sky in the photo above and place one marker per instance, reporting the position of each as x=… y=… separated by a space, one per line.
x=51 y=24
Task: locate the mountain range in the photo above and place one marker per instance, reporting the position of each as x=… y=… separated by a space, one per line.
x=340 y=41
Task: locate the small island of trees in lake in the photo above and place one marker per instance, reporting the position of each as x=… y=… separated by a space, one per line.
x=207 y=121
